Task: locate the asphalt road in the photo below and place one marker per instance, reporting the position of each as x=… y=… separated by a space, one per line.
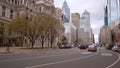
x=62 y=58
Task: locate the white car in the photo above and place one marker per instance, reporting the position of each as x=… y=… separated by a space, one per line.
x=92 y=48
x=116 y=48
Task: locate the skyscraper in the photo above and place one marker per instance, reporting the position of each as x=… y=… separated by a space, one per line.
x=106 y=16
x=85 y=21
x=113 y=9
x=86 y=26
x=66 y=12
x=66 y=20
x=113 y=12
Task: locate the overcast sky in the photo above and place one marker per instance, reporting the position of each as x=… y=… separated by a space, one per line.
x=95 y=7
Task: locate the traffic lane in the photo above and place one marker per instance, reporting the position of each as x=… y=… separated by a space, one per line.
x=37 y=61
x=13 y=56
x=117 y=65
x=97 y=61
x=44 y=56
x=37 y=53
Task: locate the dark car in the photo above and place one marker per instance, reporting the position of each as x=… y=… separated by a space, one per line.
x=65 y=46
x=82 y=46
x=108 y=46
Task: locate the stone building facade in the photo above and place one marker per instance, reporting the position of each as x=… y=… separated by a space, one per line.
x=105 y=36
x=75 y=19
x=116 y=35
x=46 y=6
x=81 y=36
x=10 y=9
x=59 y=17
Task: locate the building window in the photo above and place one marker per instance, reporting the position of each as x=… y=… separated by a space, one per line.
x=15 y=2
x=21 y=1
x=40 y=9
x=25 y=2
x=12 y=1
x=18 y=14
x=18 y=3
x=1 y=28
x=11 y=14
x=3 y=11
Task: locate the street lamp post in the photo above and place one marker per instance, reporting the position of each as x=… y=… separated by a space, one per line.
x=76 y=36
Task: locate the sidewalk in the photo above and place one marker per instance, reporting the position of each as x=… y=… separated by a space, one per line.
x=17 y=50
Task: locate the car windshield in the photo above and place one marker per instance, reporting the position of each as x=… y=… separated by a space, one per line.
x=115 y=46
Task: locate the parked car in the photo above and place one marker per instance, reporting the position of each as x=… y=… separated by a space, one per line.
x=116 y=48
x=108 y=46
x=82 y=46
x=64 y=46
x=92 y=48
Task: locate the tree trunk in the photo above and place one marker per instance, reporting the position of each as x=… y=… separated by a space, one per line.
x=42 y=43
x=51 y=43
x=32 y=44
x=48 y=42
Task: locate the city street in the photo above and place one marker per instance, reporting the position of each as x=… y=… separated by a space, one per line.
x=59 y=33
x=62 y=58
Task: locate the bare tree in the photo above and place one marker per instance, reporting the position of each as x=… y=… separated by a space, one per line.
x=53 y=29
x=26 y=27
x=40 y=26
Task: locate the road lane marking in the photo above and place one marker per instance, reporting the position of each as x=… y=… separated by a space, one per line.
x=114 y=62
x=39 y=57
x=106 y=54
x=86 y=52
x=64 y=61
